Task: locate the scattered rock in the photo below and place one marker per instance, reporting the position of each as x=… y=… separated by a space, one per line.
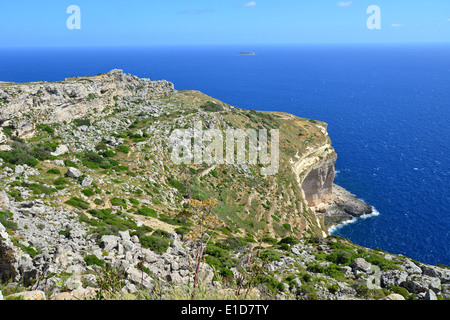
x=59 y=162
x=29 y=295
x=87 y=181
x=109 y=242
x=420 y=283
x=60 y=150
x=359 y=264
x=391 y=278
x=78 y=294
x=430 y=295
x=394 y=296
x=73 y=172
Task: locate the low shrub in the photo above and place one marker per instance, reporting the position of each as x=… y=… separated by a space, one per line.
x=123 y=149
x=401 y=291
x=155 y=243
x=60 y=181
x=82 y=122
x=107 y=223
x=269 y=240
x=119 y=202
x=70 y=163
x=5 y=217
x=182 y=230
x=88 y=192
x=46 y=128
x=289 y=240
x=146 y=211
x=270 y=255
x=99 y=201
x=211 y=107
x=92 y=260
x=161 y=233
x=78 y=203
x=39 y=188
x=19 y=154
x=342 y=257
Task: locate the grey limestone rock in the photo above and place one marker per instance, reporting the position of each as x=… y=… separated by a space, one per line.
x=359 y=264
x=109 y=242
x=73 y=172
x=421 y=284
x=391 y=278
x=60 y=150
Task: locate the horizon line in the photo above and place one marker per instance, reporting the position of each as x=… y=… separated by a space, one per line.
x=225 y=44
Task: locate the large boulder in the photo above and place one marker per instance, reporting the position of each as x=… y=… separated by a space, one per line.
x=29 y=295
x=394 y=296
x=361 y=265
x=441 y=273
x=391 y=278
x=109 y=242
x=421 y=284
x=73 y=172
x=60 y=150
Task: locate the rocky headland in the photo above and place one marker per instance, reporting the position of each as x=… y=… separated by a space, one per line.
x=88 y=190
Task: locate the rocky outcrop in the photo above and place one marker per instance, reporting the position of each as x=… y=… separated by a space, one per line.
x=61 y=225
x=71 y=99
x=341 y=206
x=316 y=173
x=61 y=242
x=317 y=184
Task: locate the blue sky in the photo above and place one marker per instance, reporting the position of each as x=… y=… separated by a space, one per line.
x=194 y=22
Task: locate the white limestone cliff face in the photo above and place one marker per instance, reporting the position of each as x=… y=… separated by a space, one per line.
x=71 y=99
x=315 y=172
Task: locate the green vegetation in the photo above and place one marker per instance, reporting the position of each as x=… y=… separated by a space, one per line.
x=106 y=223
x=88 y=192
x=60 y=181
x=119 y=202
x=146 y=211
x=91 y=96
x=46 y=128
x=27 y=249
x=155 y=243
x=5 y=220
x=82 y=122
x=211 y=107
x=21 y=154
x=236 y=208
x=78 y=203
x=92 y=260
x=123 y=149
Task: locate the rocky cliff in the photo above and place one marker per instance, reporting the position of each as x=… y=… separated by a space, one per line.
x=22 y=105
x=87 y=181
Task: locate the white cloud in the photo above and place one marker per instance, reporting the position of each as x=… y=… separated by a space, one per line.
x=250 y=4
x=396 y=25
x=344 y=3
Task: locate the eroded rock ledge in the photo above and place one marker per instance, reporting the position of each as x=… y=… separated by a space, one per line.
x=341 y=207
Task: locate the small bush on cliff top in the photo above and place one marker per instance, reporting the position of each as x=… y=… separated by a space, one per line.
x=155 y=243
x=146 y=211
x=211 y=107
x=93 y=260
x=78 y=203
x=19 y=154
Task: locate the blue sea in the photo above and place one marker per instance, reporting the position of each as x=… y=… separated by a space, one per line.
x=387 y=107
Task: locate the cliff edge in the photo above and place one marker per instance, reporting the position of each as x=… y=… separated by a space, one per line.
x=88 y=180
